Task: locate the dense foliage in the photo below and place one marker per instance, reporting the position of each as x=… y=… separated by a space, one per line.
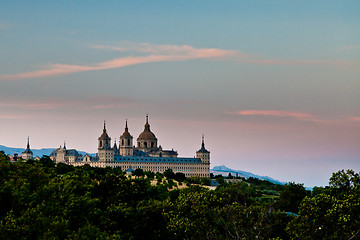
x=41 y=200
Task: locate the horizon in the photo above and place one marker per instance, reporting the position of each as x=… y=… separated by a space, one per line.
x=273 y=85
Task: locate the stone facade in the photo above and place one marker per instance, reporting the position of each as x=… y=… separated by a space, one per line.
x=146 y=155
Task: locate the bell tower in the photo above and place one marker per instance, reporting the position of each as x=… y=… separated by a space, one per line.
x=203 y=153
x=106 y=153
x=126 y=143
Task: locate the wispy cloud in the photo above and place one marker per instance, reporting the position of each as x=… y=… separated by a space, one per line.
x=95 y=102
x=12 y=116
x=158 y=54
x=354 y=119
x=169 y=50
x=34 y=105
x=149 y=53
x=297 y=115
x=300 y=116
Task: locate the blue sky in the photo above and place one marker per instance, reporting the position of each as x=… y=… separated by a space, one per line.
x=273 y=85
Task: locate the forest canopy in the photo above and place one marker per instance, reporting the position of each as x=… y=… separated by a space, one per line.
x=41 y=200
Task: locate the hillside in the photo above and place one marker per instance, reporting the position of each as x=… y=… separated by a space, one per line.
x=223 y=170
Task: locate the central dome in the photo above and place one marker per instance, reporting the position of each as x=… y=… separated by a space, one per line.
x=147 y=134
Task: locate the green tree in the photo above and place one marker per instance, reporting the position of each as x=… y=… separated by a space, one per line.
x=332 y=214
x=291 y=197
x=169 y=173
x=138 y=172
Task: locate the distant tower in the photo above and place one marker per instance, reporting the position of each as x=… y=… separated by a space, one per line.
x=126 y=143
x=115 y=148
x=147 y=140
x=203 y=154
x=27 y=154
x=106 y=154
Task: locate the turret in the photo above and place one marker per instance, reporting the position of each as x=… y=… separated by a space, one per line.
x=106 y=153
x=203 y=153
x=126 y=142
x=104 y=140
x=115 y=148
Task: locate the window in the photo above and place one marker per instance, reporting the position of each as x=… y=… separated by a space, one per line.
x=145 y=144
x=129 y=142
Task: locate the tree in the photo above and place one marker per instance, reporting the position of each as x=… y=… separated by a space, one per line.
x=291 y=197
x=169 y=173
x=47 y=162
x=332 y=214
x=138 y=172
x=180 y=177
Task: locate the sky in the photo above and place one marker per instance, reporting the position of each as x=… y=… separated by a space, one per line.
x=274 y=86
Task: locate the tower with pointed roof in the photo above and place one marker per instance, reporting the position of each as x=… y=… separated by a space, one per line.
x=126 y=143
x=115 y=148
x=27 y=154
x=203 y=153
x=147 y=141
x=106 y=153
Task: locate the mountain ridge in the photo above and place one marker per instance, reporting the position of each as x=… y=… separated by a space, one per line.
x=223 y=170
x=36 y=152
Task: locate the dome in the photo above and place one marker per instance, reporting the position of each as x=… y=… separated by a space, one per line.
x=126 y=134
x=147 y=134
x=104 y=135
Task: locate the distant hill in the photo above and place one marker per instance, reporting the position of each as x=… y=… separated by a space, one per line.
x=36 y=152
x=223 y=170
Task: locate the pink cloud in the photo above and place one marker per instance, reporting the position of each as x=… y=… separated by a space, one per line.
x=13 y=117
x=170 y=53
x=301 y=116
x=354 y=119
x=95 y=102
x=165 y=53
x=173 y=50
x=298 y=115
x=33 y=105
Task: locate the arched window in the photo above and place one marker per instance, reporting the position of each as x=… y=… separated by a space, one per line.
x=122 y=142
x=100 y=143
x=145 y=144
x=129 y=142
x=138 y=144
x=152 y=144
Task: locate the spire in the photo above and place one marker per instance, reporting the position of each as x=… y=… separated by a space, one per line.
x=203 y=149
x=202 y=142
x=126 y=126
x=147 y=125
x=104 y=130
x=28 y=144
x=64 y=145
